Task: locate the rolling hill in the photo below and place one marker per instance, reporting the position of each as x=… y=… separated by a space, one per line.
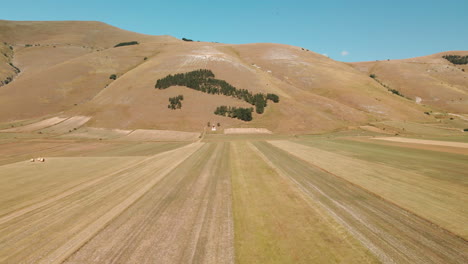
x=64 y=69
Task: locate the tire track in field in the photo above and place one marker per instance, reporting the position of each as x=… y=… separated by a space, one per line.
x=80 y=187
x=186 y=218
x=393 y=234
x=78 y=240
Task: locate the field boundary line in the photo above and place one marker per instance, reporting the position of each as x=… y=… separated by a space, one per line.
x=77 y=188
x=306 y=195
x=452 y=144
x=31 y=131
x=63 y=252
x=374 y=194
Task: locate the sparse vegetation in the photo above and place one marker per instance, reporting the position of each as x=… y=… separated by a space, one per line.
x=186 y=39
x=113 y=77
x=456 y=59
x=126 y=44
x=17 y=70
x=203 y=80
x=175 y=102
x=465 y=130
x=396 y=92
x=393 y=91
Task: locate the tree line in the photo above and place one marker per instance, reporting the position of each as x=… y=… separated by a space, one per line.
x=121 y=44
x=235 y=112
x=456 y=59
x=203 y=80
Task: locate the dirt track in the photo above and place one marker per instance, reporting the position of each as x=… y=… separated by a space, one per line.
x=391 y=233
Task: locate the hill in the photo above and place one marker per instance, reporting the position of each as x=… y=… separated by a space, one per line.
x=65 y=70
x=430 y=80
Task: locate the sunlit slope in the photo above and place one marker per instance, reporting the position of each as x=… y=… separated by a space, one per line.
x=83 y=33
x=433 y=79
x=316 y=93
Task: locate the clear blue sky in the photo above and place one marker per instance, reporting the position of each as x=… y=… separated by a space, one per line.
x=353 y=30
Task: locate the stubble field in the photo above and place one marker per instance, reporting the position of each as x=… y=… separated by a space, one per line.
x=232 y=199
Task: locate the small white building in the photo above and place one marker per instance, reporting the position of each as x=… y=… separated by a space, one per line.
x=213 y=128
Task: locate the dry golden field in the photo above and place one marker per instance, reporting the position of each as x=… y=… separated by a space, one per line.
x=332 y=198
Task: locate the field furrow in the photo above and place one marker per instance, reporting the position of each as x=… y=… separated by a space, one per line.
x=440 y=200
x=52 y=231
x=185 y=218
x=395 y=235
x=276 y=223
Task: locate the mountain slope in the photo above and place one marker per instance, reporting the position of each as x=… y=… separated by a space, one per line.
x=316 y=93
x=430 y=80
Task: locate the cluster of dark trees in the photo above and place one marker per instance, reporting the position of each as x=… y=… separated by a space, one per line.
x=126 y=44
x=235 y=112
x=203 y=80
x=396 y=92
x=456 y=59
x=175 y=102
x=186 y=39
x=6 y=81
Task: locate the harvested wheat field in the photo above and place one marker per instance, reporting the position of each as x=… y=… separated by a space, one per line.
x=237 y=200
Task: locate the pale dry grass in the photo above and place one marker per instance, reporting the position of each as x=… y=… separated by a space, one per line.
x=393 y=234
x=62 y=223
x=97 y=133
x=185 y=218
x=440 y=201
x=425 y=142
x=36 y=126
x=67 y=126
x=247 y=131
x=160 y=135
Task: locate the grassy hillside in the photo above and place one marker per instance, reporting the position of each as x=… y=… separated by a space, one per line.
x=66 y=69
x=430 y=80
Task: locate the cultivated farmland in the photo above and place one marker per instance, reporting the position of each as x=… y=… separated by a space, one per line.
x=230 y=199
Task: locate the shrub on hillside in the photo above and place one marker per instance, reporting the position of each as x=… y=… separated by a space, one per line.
x=121 y=44
x=396 y=92
x=186 y=39
x=113 y=77
x=456 y=59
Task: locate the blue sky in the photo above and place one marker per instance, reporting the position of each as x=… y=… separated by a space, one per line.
x=358 y=30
